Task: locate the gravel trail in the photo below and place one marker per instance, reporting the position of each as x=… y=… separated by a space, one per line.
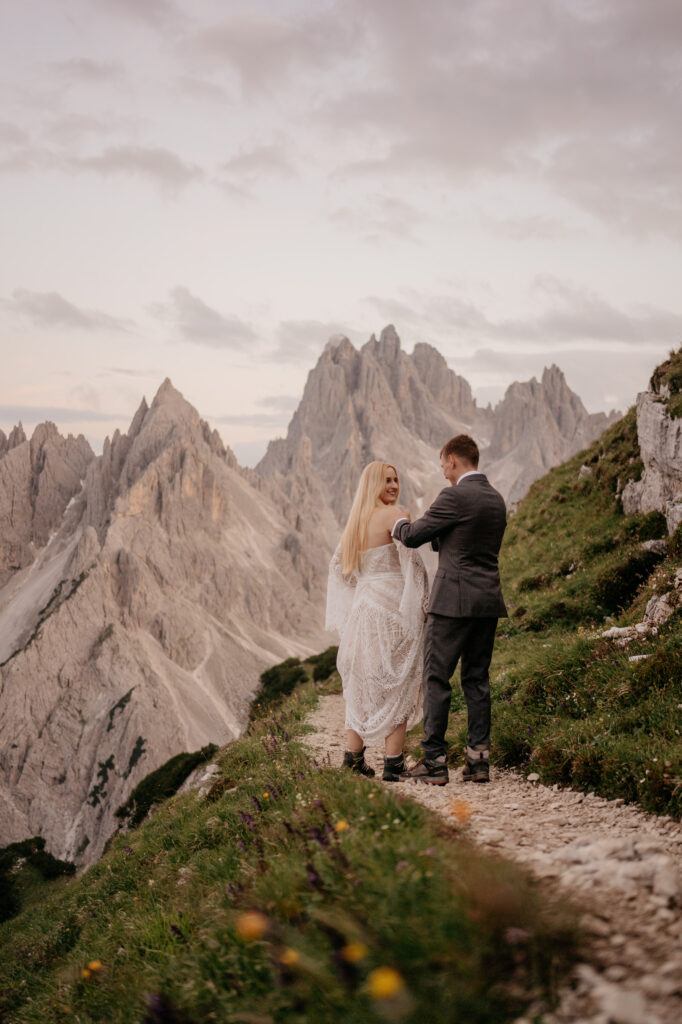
x=622 y=866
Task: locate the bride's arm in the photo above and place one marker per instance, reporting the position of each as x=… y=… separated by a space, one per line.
x=340 y=593
x=415 y=597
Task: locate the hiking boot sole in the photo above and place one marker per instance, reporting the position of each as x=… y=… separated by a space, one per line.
x=429 y=781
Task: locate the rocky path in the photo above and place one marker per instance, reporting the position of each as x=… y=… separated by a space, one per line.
x=621 y=865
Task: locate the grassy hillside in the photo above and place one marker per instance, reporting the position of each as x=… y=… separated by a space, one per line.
x=291 y=892
x=567 y=703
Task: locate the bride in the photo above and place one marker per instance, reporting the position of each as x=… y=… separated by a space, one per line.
x=377 y=597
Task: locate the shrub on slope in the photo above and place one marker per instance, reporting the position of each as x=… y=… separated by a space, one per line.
x=160 y=784
x=669 y=376
x=21 y=866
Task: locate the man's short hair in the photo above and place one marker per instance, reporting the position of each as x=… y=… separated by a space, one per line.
x=464 y=447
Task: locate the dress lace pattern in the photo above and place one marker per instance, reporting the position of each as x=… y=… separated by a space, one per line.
x=379 y=613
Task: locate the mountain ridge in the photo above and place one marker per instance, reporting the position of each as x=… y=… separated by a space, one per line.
x=377 y=401
x=142 y=626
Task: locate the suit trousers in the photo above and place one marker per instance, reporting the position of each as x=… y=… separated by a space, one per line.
x=448 y=640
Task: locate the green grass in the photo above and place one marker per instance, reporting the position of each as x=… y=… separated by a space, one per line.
x=669 y=374
x=470 y=937
x=23 y=866
x=567 y=703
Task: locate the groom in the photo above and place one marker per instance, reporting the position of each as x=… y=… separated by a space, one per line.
x=465 y=525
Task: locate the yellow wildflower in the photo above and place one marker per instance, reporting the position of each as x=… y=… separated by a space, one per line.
x=251 y=925
x=341 y=826
x=94 y=966
x=384 y=983
x=85 y=973
x=290 y=957
x=462 y=810
x=354 y=952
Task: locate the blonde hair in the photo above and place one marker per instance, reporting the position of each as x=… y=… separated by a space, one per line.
x=354 y=537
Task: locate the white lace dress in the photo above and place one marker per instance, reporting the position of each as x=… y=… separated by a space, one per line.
x=379 y=613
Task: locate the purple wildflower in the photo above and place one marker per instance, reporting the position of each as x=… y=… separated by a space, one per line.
x=247 y=819
x=318 y=836
x=314 y=880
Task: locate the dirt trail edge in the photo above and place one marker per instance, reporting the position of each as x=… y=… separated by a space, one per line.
x=622 y=865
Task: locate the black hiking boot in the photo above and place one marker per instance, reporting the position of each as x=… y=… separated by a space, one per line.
x=434 y=772
x=394 y=768
x=355 y=760
x=476 y=767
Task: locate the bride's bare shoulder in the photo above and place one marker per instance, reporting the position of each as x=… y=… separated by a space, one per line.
x=389 y=514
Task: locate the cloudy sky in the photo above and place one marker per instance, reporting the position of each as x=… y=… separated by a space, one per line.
x=210 y=190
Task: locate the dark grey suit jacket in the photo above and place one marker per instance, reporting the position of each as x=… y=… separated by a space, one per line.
x=466 y=523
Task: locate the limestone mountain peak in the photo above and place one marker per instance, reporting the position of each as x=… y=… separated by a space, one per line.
x=17 y=436
x=44 y=432
x=388 y=346
x=338 y=342
x=553 y=373
x=38 y=479
x=167 y=393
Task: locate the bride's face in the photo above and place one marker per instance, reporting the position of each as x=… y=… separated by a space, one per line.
x=391 y=490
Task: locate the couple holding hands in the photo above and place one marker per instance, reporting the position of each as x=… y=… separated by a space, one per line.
x=399 y=647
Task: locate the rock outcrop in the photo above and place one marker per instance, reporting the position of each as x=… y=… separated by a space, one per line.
x=16 y=437
x=660 y=443
x=141 y=627
x=38 y=479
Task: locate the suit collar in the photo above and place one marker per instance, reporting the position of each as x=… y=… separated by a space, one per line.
x=474 y=474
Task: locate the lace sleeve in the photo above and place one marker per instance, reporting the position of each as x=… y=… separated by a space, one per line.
x=415 y=599
x=340 y=594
